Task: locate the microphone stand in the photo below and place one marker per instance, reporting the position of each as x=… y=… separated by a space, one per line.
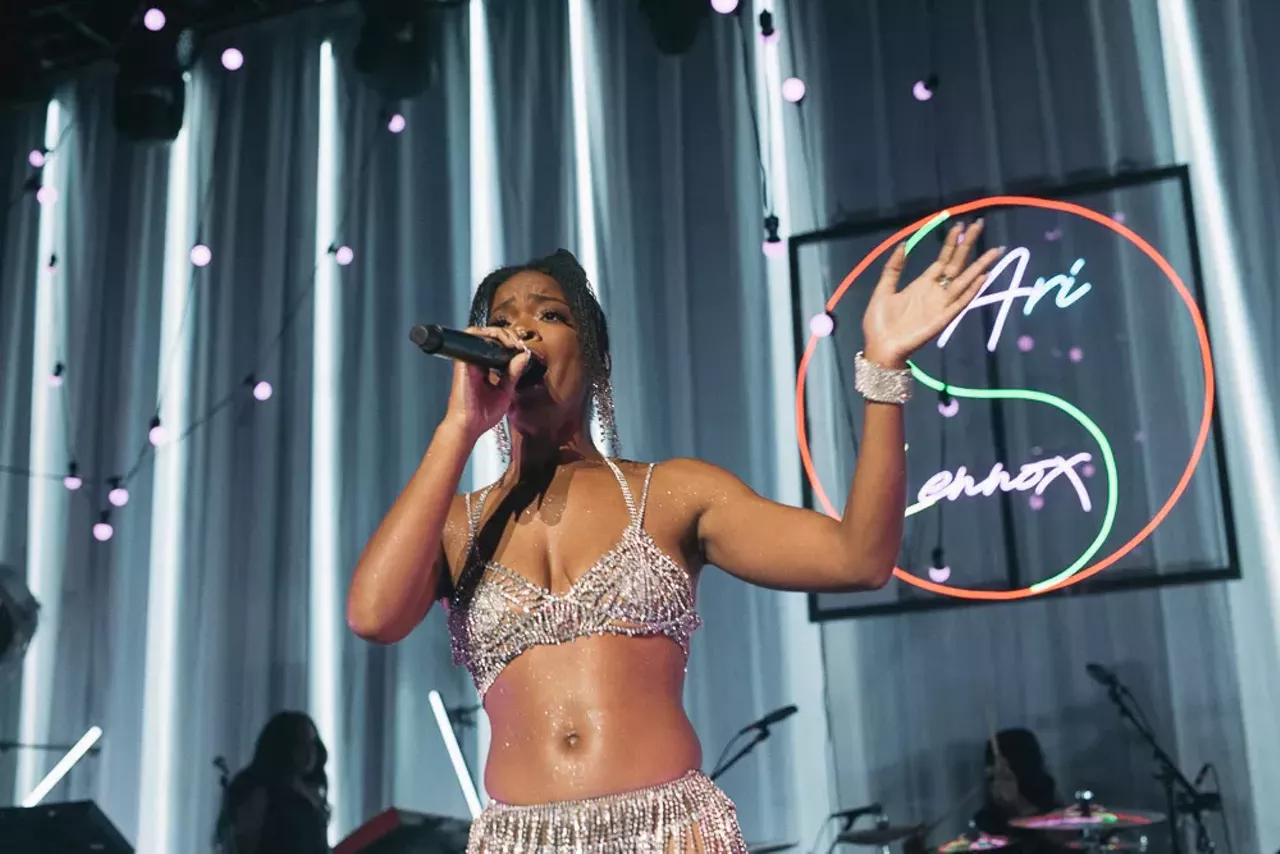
x=758 y=734
x=1180 y=793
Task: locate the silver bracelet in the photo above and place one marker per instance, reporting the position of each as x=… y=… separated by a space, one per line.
x=881 y=385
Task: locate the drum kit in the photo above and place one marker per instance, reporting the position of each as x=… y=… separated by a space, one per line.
x=1082 y=826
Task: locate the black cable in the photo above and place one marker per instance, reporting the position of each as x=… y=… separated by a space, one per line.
x=749 y=81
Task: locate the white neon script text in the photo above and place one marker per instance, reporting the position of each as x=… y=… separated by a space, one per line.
x=1036 y=475
x=1068 y=293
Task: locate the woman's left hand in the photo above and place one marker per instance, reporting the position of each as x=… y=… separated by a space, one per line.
x=899 y=322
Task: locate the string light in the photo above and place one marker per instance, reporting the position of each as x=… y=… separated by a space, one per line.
x=153 y=20
x=773 y=246
x=768 y=32
x=262 y=390
x=822 y=324
x=793 y=90
x=102 y=529
x=923 y=89
x=56 y=378
x=119 y=495
x=72 y=481
x=725 y=7
x=343 y=255
x=396 y=123
x=36 y=158
x=46 y=195
x=157 y=434
x=201 y=255
x=232 y=59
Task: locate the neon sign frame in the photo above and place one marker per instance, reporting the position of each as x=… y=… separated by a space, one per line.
x=913 y=231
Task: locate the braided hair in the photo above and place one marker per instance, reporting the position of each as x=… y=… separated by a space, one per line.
x=593 y=329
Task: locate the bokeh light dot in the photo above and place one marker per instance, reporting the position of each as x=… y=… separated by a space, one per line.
x=46 y=195
x=102 y=531
x=1036 y=502
x=1026 y=343
x=921 y=91
x=232 y=59
x=36 y=158
x=344 y=255
x=396 y=124
x=153 y=20
x=118 y=496
x=201 y=255
x=1088 y=470
x=822 y=324
x=263 y=390
x=774 y=248
x=793 y=89
x=1075 y=354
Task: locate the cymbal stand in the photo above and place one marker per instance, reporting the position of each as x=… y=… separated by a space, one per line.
x=1183 y=798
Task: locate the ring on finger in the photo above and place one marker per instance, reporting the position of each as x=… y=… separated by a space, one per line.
x=943 y=281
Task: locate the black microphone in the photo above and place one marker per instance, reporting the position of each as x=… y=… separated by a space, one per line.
x=437 y=340
x=1102 y=675
x=770 y=719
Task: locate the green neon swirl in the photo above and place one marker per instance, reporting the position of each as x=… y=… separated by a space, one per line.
x=1032 y=396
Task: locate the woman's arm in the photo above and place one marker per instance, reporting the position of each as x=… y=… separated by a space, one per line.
x=398 y=575
x=250 y=815
x=792 y=549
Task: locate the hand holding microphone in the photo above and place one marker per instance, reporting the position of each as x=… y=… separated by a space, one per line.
x=488 y=362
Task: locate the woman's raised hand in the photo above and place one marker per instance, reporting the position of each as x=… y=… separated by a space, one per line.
x=480 y=397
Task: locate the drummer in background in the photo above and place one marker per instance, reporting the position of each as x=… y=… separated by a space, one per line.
x=1018 y=784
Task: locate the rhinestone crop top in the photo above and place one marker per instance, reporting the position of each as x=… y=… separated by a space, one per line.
x=634 y=589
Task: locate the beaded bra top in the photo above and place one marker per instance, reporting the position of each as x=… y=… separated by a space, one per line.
x=634 y=589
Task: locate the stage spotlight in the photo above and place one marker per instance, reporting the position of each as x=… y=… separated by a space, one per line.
x=19 y=616
x=398 y=47
x=675 y=23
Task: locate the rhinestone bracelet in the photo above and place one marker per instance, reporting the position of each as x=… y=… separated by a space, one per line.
x=881 y=385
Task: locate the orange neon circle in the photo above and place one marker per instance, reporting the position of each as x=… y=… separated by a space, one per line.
x=1206 y=359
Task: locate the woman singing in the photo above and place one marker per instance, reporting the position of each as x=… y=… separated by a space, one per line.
x=569 y=583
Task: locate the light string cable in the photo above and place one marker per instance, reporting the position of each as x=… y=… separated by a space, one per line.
x=146 y=451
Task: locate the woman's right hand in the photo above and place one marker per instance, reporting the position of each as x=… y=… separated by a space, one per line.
x=480 y=398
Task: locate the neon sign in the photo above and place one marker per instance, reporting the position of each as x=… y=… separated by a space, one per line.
x=1068 y=294
x=961 y=483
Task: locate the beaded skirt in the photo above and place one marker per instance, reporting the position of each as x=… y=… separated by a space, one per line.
x=686 y=816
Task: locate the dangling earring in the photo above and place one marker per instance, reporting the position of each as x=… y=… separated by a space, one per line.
x=504 y=440
x=602 y=402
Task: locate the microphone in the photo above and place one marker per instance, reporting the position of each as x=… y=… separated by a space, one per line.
x=437 y=340
x=1102 y=675
x=770 y=719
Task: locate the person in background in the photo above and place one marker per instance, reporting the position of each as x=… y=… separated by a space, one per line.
x=277 y=804
x=1018 y=783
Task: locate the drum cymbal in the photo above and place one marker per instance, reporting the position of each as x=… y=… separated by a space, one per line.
x=981 y=842
x=877 y=837
x=1099 y=817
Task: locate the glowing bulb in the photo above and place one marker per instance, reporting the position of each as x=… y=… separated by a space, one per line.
x=102 y=531
x=1025 y=343
x=46 y=195
x=72 y=482
x=201 y=255
x=948 y=408
x=1036 y=502
x=822 y=324
x=153 y=20
x=774 y=248
x=793 y=89
x=157 y=434
x=1075 y=354
x=118 y=496
x=939 y=573
x=36 y=158
x=56 y=378
x=921 y=91
x=232 y=59
x=344 y=255
x=1118 y=216
x=770 y=37
x=1087 y=470
x=1053 y=234
x=262 y=391
x=725 y=7
x=396 y=124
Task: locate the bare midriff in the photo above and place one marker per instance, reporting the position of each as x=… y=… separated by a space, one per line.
x=597 y=716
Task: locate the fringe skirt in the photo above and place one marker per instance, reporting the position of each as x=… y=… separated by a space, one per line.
x=685 y=816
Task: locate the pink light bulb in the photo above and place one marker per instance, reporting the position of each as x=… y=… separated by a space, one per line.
x=921 y=91
x=725 y=7
x=46 y=195
x=1088 y=470
x=153 y=20
x=396 y=124
x=793 y=89
x=1036 y=502
x=232 y=59
x=102 y=531
x=262 y=391
x=72 y=482
x=344 y=255
x=158 y=435
x=948 y=409
x=36 y=158
x=822 y=324
x=774 y=248
x=201 y=255
x=55 y=380
x=1026 y=343
x=118 y=496
x=1075 y=354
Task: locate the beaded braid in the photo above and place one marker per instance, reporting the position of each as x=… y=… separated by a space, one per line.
x=593 y=333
